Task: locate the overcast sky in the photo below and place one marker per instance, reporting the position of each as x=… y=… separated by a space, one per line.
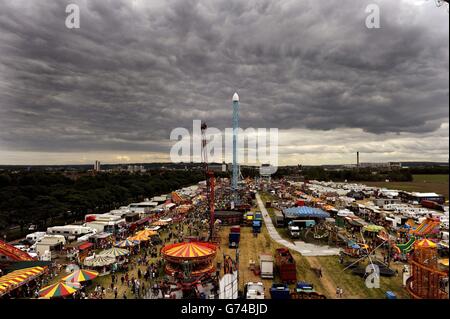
x=136 y=69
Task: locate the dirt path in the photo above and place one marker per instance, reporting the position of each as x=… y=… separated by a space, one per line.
x=327 y=282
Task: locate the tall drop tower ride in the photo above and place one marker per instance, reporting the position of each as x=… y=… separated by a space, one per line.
x=234 y=181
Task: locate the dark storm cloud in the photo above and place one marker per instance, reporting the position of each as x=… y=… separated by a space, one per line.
x=137 y=69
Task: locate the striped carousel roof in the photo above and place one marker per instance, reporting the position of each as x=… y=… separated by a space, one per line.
x=189 y=250
x=426 y=243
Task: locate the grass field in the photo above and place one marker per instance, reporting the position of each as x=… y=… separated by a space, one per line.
x=421 y=183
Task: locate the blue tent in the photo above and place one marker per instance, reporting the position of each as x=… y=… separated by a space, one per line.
x=305 y=212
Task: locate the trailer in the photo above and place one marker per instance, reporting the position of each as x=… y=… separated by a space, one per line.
x=280 y=291
x=432 y=205
x=285 y=265
x=256 y=226
x=233 y=240
x=235 y=229
x=279 y=218
x=254 y=290
x=266 y=266
x=304 y=290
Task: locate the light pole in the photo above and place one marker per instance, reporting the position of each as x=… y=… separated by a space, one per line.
x=234 y=184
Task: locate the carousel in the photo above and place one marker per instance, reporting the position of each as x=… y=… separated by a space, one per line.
x=428 y=279
x=193 y=259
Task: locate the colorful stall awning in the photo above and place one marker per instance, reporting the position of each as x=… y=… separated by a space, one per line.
x=19 y=277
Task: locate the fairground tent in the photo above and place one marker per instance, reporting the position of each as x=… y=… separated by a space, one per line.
x=81 y=275
x=373 y=228
x=305 y=212
x=99 y=261
x=114 y=252
x=126 y=243
x=60 y=289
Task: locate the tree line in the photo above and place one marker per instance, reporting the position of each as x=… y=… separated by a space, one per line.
x=47 y=199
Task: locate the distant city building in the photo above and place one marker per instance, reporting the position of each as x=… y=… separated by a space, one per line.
x=97 y=167
x=136 y=169
x=265 y=170
x=217 y=167
x=395 y=165
x=383 y=165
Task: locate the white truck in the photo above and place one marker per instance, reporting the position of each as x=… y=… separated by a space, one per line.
x=254 y=290
x=266 y=265
x=294 y=230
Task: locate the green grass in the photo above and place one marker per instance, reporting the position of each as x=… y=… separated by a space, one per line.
x=355 y=287
x=421 y=183
x=437 y=178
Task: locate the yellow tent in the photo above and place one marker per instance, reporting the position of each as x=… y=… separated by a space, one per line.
x=147 y=232
x=140 y=237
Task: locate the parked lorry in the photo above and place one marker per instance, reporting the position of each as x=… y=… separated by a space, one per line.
x=235 y=229
x=280 y=291
x=279 y=218
x=254 y=290
x=304 y=290
x=233 y=240
x=266 y=266
x=257 y=224
x=432 y=205
x=294 y=230
x=285 y=265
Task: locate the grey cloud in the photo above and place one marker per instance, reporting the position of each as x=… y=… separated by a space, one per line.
x=132 y=74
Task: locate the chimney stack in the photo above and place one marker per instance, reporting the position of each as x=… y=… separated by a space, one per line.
x=357 y=159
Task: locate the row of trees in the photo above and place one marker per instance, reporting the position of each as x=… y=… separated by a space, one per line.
x=51 y=198
x=354 y=175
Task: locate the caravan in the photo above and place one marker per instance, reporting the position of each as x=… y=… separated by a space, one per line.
x=69 y=231
x=34 y=237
